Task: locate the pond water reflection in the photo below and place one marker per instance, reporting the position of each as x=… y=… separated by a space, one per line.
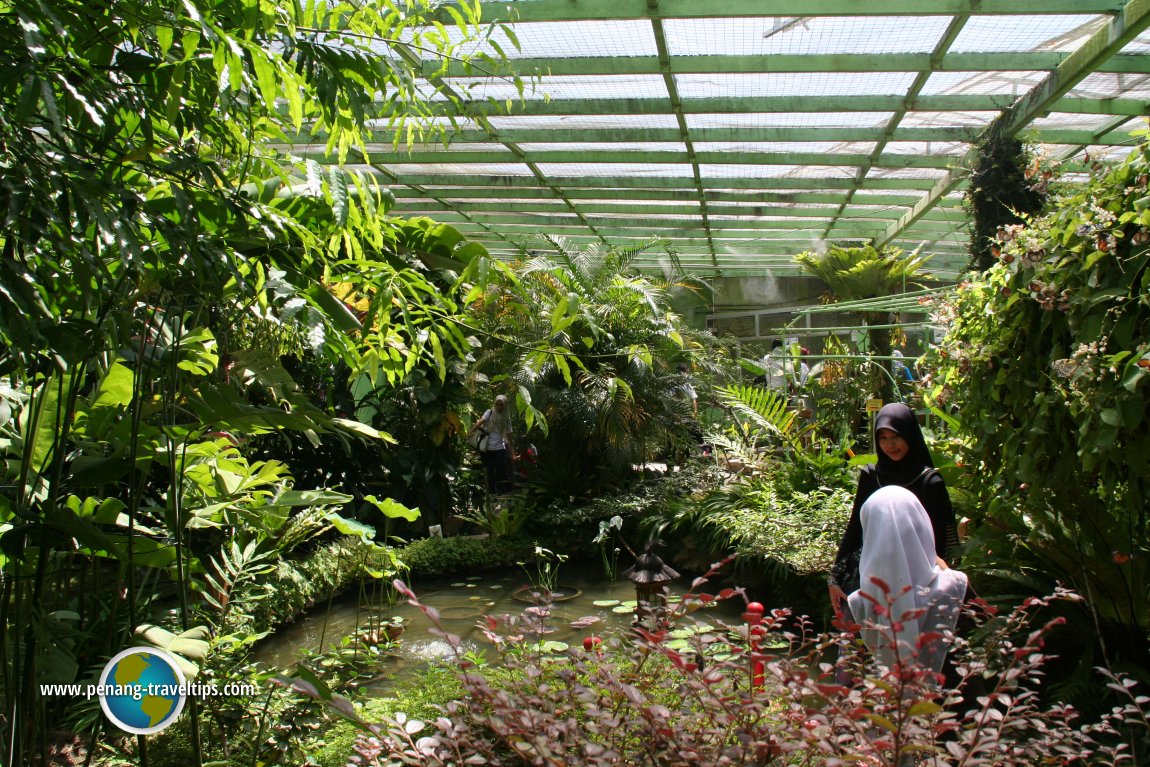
x=605 y=607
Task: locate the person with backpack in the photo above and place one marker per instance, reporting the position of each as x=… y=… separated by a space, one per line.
x=495 y=447
x=903 y=460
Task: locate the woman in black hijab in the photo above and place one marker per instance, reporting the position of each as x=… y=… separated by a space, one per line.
x=902 y=460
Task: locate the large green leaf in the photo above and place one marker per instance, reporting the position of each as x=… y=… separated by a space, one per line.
x=366 y=533
x=393 y=509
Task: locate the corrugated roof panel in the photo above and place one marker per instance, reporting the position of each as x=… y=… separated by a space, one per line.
x=588 y=146
x=582 y=122
x=948 y=148
x=459 y=169
x=1111 y=85
x=775 y=171
x=614 y=169
x=910 y=173
x=828 y=147
x=919 y=119
x=1071 y=121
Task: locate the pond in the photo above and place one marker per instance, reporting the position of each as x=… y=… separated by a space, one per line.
x=584 y=594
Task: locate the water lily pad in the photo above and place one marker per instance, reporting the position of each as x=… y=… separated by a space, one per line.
x=496 y=586
x=552 y=645
x=473 y=578
x=605 y=602
x=623 y=609
x=458 y=585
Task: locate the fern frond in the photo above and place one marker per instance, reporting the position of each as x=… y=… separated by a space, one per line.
x=763 y=408
x=229 y=572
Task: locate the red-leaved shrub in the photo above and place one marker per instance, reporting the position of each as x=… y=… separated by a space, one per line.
x=766 y=692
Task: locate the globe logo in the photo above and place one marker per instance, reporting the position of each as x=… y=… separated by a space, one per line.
x=142 y=690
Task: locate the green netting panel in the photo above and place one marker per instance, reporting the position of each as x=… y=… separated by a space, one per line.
x=982 y=83
x=804 y=35
x=1025 y=33
x=1107 y=85
x=804 y=84
x=805 y=120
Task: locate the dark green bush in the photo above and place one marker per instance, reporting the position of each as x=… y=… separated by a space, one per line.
x=571 y=528
x=461 y=554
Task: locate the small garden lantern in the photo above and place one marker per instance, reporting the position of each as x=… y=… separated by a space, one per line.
x=650 y=576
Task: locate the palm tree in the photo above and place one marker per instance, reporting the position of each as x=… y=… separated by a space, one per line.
x=864 y=271
x=592 y=347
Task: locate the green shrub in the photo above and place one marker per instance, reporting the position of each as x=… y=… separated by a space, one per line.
x=295 y=585
x=572 y=528
x=764 y=523
x=418 y=695
x=752 y=694
x=462 y=554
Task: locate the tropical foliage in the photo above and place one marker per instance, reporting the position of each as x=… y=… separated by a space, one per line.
x=1047 y=365
x=589 y=352
x=167 y=263
x=864 y=271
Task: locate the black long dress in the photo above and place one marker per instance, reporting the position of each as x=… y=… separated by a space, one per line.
x=917 y=474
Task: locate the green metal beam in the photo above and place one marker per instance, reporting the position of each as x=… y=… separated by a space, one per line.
x=762 y=104
x=640 y=136
x=582 y=10
x=1047 y=96
x=672 y=87
x=749 y=104
x=464 y=157
x=657 y=226
x=749 y=197
x=637 y=208
x=495 y=182
x=560 y=135
x=1027 y=61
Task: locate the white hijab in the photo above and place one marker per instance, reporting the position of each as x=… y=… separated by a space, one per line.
x=898 y=549
x=498 y=421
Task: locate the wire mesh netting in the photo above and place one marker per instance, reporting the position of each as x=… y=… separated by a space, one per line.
x=745 y=133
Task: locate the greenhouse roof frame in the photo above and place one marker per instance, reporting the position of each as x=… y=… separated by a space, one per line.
x=744 y=135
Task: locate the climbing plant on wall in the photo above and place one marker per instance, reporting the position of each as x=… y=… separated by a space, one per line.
x=1047 y=364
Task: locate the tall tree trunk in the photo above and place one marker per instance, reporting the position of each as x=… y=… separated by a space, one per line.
x=880 y=347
